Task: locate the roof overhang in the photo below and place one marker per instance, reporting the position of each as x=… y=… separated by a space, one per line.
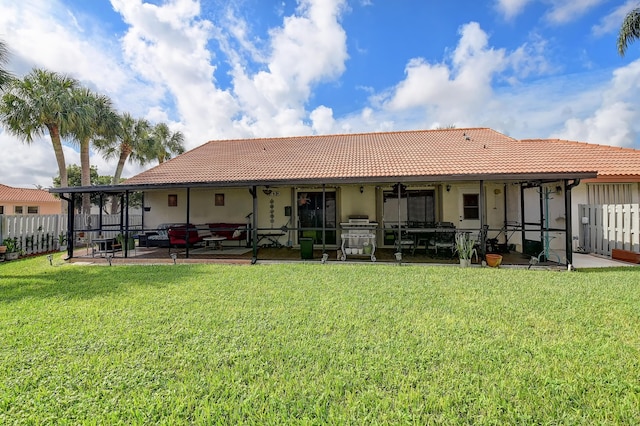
x=515 y=177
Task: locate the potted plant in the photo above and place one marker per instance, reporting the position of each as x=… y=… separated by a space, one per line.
x=13 y=251
x=465 y=248
x=62 y=241
x=131 y=242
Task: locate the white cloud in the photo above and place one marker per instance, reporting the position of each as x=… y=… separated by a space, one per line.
x=559 y=11
x=450 y=92
x=308 y=49
x=32 y=29
x=322 y=120
x=530 y=59
x=511 y=8
x=564 y=11
x=162 y=67
x=613 y=20
x=614 y=121
x=167 y=45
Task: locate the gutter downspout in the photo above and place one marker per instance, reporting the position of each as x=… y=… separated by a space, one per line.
x=568 y=222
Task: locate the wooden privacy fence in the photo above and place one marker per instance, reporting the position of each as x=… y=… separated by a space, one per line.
x=604 y=227
x=41 y=233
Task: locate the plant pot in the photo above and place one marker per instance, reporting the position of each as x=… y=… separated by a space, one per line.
x=398 y=256
x=63 y=247
x=367 y=249
x=465 y=263
x=3 y=249
x=12 y=256
x=493 y=260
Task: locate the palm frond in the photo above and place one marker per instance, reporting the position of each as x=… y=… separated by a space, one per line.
x=629 y=31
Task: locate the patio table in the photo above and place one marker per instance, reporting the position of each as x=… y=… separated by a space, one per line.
x=216 y=240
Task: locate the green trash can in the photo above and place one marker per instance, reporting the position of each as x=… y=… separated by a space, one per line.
x=306 y=248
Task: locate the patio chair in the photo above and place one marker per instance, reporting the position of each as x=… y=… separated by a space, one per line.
x=445 y=238
x=406 y=241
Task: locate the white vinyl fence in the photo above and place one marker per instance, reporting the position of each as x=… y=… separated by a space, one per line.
x=41 y=233
x=33 y=233
x=604 y=227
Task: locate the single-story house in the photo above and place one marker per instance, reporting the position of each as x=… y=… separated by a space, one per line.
x=505 y=192
x=14 y=201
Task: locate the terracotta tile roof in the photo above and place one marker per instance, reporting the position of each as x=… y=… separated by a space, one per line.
x=27 y=195
x=605 y=159
x=425 y=154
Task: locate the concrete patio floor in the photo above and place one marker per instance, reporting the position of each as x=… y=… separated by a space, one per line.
x=581 y=260
x=385 y=255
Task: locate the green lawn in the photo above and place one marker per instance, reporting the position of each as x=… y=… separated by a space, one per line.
x=317 y=344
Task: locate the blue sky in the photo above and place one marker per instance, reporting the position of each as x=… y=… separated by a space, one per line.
x=217 y=69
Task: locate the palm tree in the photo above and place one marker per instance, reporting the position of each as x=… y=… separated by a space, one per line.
x=38 y=104
x=629 y=31
x=5 y=76
x=92 y=117
x=132 y=142
x=166 y=144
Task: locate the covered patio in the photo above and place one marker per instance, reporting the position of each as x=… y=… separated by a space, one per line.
x=412 y=190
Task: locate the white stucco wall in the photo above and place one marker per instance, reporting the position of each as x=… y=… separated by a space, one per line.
x=352 y=202
x=237 y=204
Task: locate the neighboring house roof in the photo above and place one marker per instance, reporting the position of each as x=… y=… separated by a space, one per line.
x=422 y=155
x=26 y=195
x=612 y=163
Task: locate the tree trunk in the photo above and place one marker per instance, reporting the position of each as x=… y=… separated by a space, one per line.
x=124 y=154
x=54 y=132
x=85 y=179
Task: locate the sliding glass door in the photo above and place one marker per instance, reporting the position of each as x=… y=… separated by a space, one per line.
x=311 y=213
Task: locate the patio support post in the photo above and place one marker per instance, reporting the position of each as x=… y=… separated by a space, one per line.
x=126 y=224
x=568 y=222
x=142 y=218
x=399 y=258
x=324 y=216
x=542 y=218
x=483 y=219
x=100 y=216
x=254 y=225
x=70 y=225
x=121 y=211
x=505 y=214
x=188 y=222
x=522 y=216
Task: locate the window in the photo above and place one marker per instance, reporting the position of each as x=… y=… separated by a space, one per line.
x=1 y=209
x=417 y=207
x=32 y=210
x=219 y=200
x=17 y=209
x=471 y=206
x=421 y=207
x=172 y=200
